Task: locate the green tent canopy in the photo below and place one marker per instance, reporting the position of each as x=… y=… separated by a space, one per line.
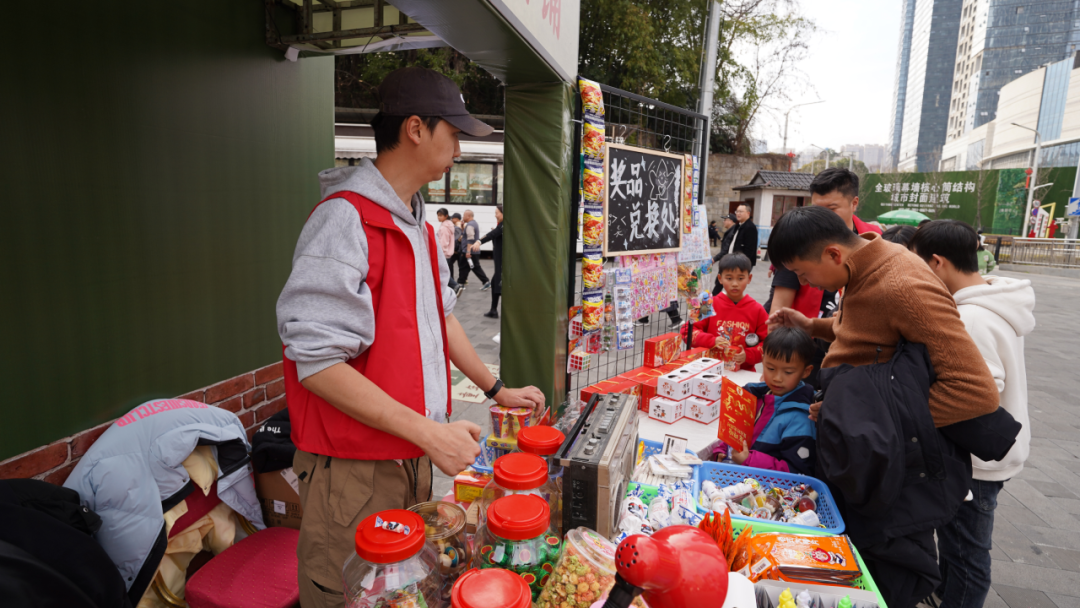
x=902 y=216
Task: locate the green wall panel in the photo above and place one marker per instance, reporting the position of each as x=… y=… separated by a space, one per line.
x=158 y=162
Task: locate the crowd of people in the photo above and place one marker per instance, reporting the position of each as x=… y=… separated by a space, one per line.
x=847 y=299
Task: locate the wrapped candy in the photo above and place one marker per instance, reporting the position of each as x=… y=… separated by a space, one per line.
x=391 y=526
x=592 y=270
x=659 y=513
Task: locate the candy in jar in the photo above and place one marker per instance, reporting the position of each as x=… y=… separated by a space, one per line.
x=584 y=573
x=518 y=537
x=392 y=567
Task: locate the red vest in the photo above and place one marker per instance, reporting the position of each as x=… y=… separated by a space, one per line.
x=393 y=361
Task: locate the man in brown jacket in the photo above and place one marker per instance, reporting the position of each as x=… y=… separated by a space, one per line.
x=888 y=294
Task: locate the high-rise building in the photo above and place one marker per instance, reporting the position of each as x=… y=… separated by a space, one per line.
x=903 y=60
x=1000 y=41
x=935 y=25
x=871 y=155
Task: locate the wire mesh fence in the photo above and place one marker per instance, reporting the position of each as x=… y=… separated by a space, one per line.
x=647 y=123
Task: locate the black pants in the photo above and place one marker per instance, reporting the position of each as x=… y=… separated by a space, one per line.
x=905 y=568
x=452 y=284
x=466 y=264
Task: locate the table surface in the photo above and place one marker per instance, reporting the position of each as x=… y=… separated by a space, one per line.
x=697 y=435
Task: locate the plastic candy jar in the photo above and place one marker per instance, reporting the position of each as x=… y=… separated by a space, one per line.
x=545 y=441
x=394 y=566
x=518 y=537
x=444 y=527
x=584 y=573
x=520 y=473
x=490 y=588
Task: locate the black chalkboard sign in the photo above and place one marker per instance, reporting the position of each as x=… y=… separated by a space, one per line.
x=641 y=201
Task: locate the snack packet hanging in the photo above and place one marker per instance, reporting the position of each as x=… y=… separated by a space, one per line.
x=592 y=98
x=593 y=226
x=592 y=312
x=592 y=271
x=592 y=139
x=593 y=181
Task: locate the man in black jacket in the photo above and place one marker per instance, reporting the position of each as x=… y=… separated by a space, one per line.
x=742 y=238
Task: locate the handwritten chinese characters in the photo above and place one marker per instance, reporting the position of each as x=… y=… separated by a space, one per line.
x=642 y=201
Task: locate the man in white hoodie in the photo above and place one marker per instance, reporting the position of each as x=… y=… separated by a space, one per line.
x=997 y=312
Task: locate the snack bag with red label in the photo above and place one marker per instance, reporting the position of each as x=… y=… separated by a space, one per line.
x=592 y=139
x=592 y=271
x=593 y=181
x=593 y=226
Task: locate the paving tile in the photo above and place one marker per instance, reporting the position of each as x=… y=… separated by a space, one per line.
x=1017 y=546
x=1065 y=601
x=1030 y=473
x=1026 y=576
x=993 y=600
x=1067 y=504
x=1051 y=537
x=1051 y=489
x=1018 y=514
x=1066 y=559
x=997 y=553
x=1019 y=597
x=1042 y=506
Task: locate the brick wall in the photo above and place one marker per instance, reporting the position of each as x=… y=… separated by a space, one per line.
x=253 y=396
x=727 y=171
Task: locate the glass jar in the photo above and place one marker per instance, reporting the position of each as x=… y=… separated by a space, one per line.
x=394 y=566
x=520 y=473
x=545 y=441
x=585 y=572
x=518 y=537
x=491 y=588
x=444 y=527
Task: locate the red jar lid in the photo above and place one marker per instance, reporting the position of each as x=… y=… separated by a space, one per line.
x=519 y=517
x=381 y=546
x=490 y=588
x=519 y=471
x=541 y=440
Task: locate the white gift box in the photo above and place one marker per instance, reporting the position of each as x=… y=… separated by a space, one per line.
x=706 y=385
x=702 y=364
x=676 y=385
x=666 y=410
x=701 y=410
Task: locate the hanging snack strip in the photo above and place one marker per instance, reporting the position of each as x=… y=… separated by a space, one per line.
x=598 y=306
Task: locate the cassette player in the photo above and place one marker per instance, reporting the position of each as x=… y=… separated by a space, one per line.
x=597 y=457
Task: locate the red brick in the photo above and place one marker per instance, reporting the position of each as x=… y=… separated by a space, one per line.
x=253 y=397
x=247 y=419
x=268 y=374
x=269 y=409
x=275 y=388
x=234 y=405
x=36 y=462
x=194 y=396
x=229 y=388
x=59 y=476
x=82 y=442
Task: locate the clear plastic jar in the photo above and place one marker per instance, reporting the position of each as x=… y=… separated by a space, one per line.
x=444 y=527
x=491 y=588
x=520 y=473
x=586 y=571
x=518 y=537
x=545 y=441
x=394 y=566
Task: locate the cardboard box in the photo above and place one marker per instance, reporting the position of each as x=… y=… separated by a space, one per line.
x=469 y=484
x=704 y=363
x=279 y=495
x=661 y=349
x=676 y=385
x=693 y=354
x=666 y=410
x=701 y=410
x=707 y=385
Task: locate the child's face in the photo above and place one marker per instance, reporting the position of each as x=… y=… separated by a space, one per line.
x=735 y=282
x=783 y=376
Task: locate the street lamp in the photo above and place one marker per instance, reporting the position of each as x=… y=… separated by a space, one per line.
x=1034 y=178
x=788 y=113
x=828 y=154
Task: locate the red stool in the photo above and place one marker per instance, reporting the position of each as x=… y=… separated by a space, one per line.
x=257 y=572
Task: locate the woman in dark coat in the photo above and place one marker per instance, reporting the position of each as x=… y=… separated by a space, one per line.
x=714 y=234
x=495 y=237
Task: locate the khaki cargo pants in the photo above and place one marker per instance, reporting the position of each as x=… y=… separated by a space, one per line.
x=336 y=495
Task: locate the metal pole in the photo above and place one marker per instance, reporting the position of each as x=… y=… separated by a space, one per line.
x=788 y=113
x=1074 y=223
x=708 y=72
x=1034 y=180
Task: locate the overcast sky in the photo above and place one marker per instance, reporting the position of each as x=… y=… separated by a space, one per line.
x=852 y=65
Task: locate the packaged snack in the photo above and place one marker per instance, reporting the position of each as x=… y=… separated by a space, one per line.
x=592 y=271
x=592 y=98
x=739 y=558
x=593 y=230
x=593 y=181
x=592 y=312
x=592 y=139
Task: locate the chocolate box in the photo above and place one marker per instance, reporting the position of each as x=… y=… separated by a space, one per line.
x=701 y=410
x=666 y=410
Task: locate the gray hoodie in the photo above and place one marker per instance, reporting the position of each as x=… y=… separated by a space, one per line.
x=998 y=316
x=324 y=312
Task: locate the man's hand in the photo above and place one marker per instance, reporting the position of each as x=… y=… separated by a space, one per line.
x=453 y=446
x=530 y=397
x=740 y=456
x=789 y=317
x=468 y=252
x=815 y=410
x=476 y=247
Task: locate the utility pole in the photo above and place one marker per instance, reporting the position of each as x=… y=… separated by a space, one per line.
x=788 y=113
x=1074 y=222
x=708 y=70
x=1034 y=179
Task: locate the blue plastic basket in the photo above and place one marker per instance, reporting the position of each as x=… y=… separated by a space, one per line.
x=490 y=470
x=648 y=492
x=723 y=474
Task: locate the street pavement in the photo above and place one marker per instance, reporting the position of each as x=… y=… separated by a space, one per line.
x=1036 y=554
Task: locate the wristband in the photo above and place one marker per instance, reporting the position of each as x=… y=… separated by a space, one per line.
x=495 y=389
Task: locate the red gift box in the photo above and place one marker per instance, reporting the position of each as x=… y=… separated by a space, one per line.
x=661 y=350
x=693 y=354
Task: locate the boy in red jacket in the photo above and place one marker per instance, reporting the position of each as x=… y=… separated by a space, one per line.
x=737 y=315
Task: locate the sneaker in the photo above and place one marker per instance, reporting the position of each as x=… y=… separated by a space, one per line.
x=931 y=601
x=642 y=322
x=460 y=288
x=492 y=314
x=486 y=286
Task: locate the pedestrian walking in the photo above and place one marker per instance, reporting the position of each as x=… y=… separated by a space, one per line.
x=468 y=261
x=495 y=237
x=445 y=236
x=459 y=252
x=714 y=234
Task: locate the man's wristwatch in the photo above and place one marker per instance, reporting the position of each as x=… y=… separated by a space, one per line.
x=495 y=389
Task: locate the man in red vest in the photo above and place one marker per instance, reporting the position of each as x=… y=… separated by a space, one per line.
x=367 y=321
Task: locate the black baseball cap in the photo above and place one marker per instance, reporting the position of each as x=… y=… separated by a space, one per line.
x=731 y=216
x=417 y=91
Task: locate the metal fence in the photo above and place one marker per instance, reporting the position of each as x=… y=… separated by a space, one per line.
x=1059 y=253
x=647 y=123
